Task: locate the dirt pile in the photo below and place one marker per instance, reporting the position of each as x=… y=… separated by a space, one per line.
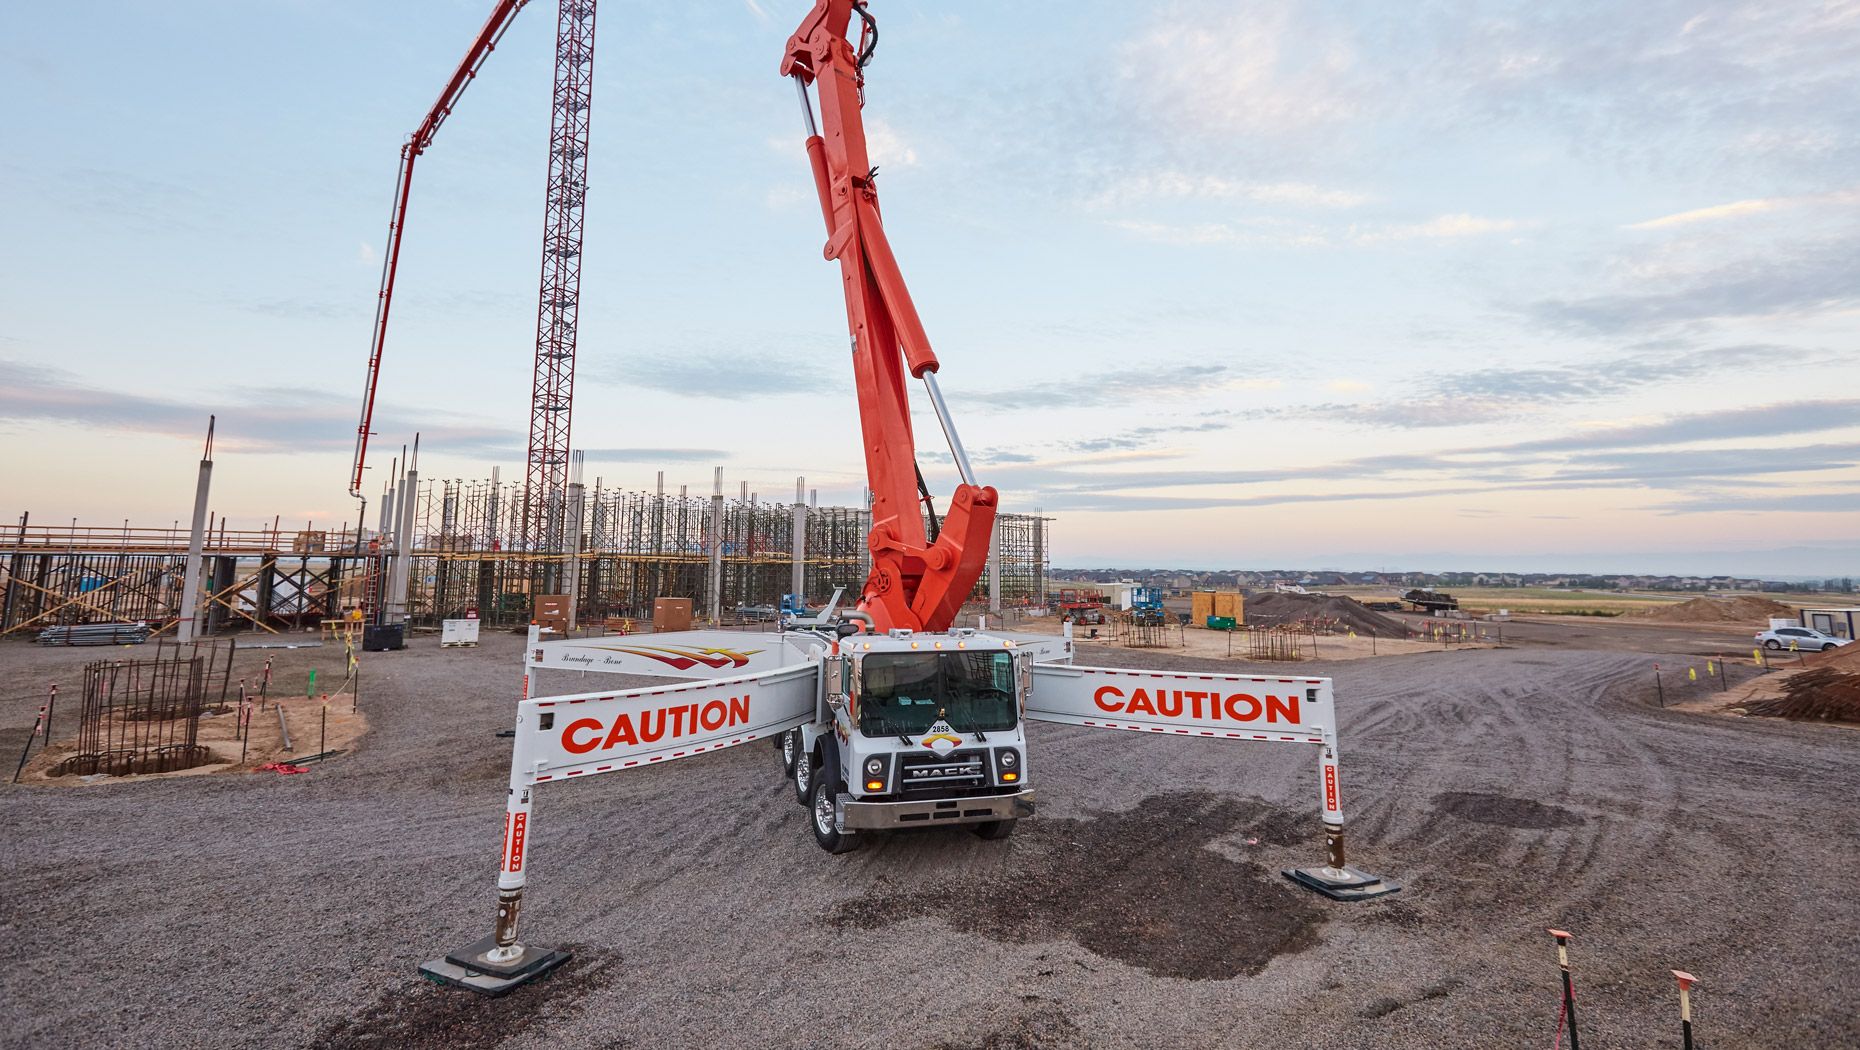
x=1846 y=658
x=1745 y=608
x=1274 y=609
x=1094 y=882
x=1825 y=694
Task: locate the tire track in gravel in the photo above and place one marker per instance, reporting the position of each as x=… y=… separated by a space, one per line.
x=267 y=911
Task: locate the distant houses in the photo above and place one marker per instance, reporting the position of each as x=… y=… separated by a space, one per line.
x=1180 y=580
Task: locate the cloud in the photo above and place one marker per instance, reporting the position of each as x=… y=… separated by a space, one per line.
x=787 y=196
x=1738 y=85
x=1444 y=227
x=722 y=376
x=656 y=455
x=256 y=419
x=761 y=15
x=1716 y=211
x=1686 y=285
x=1192 y=234
x=1606 y=376
x=1844 y=502
x=1489 y=395
x=1273 y=232
x=1140 y=437
x=1267 y=69
x=1117 y=387
x=1839 y=199
x=885 y=147
x=1623 y=458
x=1776 y=420
x=365 y=254
x=1176 y=184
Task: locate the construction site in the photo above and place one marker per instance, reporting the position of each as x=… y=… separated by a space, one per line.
x=733 y=558
x=665 y=755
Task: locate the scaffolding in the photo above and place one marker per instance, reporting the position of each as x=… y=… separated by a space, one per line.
x=635 y=547
x=623 y=549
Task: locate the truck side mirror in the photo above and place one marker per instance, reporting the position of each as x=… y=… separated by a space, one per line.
x=1024 y=664
x=835 y=670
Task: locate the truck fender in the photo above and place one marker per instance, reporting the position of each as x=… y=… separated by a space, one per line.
x=830 y=763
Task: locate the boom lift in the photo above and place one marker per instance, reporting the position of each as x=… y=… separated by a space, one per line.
x=919 y=579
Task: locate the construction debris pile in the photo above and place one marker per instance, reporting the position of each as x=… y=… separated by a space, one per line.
x=1745 y=608
x=1322 y=613
x=95 y=634
x=1824 y=694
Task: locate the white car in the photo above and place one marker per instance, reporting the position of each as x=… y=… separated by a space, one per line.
x=1801 y=639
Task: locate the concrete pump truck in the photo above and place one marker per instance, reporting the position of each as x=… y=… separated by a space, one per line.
x=920 y=725
x=886 y=715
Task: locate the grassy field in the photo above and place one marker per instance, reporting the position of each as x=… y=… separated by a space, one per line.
x=1556 y=601
x=1538 y=601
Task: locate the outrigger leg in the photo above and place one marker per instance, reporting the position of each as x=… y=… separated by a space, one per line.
x=496 y=964
x=1336 y=879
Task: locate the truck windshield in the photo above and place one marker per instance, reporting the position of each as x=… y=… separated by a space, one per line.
x=905 y=692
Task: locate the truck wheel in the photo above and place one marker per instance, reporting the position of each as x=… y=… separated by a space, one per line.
x=994 y=830
x=789 y=746
x=821 y=810
x=804 y=772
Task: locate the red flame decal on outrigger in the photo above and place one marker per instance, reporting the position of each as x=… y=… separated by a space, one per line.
x=685 y=657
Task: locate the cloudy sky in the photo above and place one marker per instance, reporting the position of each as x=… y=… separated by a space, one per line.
x=1213 y=283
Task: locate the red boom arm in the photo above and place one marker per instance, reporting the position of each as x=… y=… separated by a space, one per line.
x=422 y=137
x=915 y=583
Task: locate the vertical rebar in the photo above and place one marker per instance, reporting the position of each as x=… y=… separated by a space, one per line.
x=1569 y=988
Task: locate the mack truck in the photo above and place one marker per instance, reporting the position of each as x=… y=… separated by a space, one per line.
x=912 y=731
x=888 y=715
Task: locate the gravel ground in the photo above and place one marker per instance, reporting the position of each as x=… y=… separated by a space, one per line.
x=1510 y=789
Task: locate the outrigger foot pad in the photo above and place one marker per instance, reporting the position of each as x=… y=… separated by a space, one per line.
x=1342 y=884
x=469 y=968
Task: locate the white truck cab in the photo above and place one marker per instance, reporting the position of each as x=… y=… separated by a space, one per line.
x=914 y=730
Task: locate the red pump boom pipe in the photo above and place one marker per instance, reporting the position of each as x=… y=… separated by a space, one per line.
x=915 y=583
x=481 y=48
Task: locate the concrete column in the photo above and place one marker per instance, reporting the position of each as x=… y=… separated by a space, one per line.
x=1039 y=556
x=994 y=568
x=572 y=567
x=716 y=551
x=403 y=546
x=797 y=582
x=186 y=629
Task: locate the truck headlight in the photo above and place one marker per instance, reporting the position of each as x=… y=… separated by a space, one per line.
x=875 y=767
x=1007 y=765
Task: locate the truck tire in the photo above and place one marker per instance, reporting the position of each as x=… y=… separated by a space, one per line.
x=820 y=819
x=788 y=745
x=993 y=830
x=804 y=772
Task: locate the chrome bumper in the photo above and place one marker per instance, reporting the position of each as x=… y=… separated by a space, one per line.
x=854 y=815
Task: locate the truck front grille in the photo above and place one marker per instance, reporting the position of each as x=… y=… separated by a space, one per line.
x=929 y=774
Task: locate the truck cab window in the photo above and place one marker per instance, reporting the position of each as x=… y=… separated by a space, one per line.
x=905 y=692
